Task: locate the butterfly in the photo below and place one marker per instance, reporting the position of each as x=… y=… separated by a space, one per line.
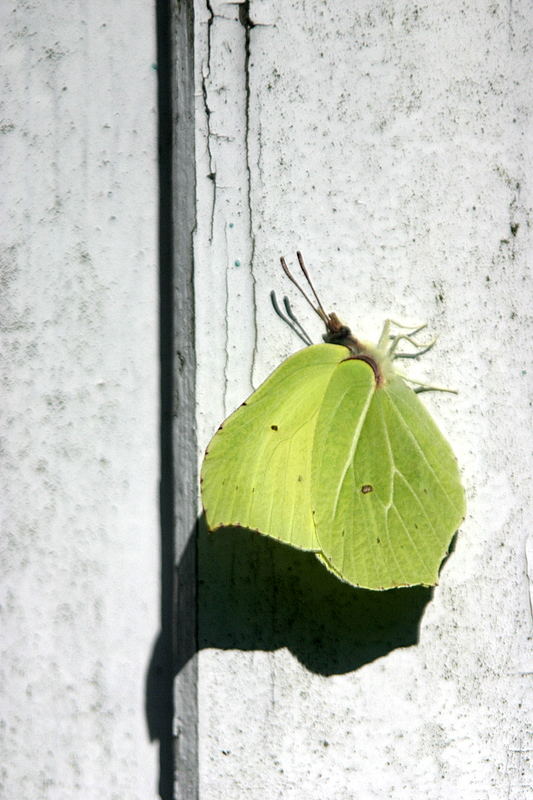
x=336 y=454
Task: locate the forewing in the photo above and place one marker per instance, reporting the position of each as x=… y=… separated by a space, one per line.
x=386 y=512
x=257 y=468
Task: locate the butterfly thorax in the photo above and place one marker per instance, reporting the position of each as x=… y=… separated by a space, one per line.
x=338 y=333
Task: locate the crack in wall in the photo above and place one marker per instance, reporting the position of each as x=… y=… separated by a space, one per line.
x=248 y=25
x=212 y=175
x=226 y=46
x=226 y=327
x=259 y=162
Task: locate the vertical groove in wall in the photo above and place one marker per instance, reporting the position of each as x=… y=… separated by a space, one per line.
x=178 y=491
x=185 y=446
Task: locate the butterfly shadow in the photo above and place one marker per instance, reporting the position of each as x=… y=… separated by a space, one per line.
x=257 y=594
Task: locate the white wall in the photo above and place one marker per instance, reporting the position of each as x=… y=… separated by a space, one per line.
x=388 y=141
x=79 y=408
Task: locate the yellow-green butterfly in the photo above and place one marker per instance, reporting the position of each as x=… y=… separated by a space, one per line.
x=335 y=454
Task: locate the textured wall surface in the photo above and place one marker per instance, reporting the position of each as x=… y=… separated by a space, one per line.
x=79 y=407
x=388 y=141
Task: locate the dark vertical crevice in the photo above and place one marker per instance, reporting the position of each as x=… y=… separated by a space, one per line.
x=159 y=696
x=171 y=708
x=185 y=452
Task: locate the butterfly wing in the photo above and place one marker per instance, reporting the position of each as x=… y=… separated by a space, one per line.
x=257 y=468
x=386 y=492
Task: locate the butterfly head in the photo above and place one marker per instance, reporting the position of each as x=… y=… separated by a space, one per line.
x=339 y=333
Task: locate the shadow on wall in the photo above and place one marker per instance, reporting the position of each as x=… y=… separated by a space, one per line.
x=257 y=594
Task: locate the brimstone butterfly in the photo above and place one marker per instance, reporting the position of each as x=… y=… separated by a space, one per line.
x=335 y=454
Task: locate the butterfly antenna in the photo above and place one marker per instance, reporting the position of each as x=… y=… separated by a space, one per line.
x=290 y=319
x=292 y=315
x=310 y=282
x=320 y=311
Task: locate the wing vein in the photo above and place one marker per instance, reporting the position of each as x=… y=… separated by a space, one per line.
x=420 y=505
x=353 y=447
x=416 y=443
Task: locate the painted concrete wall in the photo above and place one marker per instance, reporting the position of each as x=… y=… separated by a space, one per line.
x=79 y=407
x=388 y=142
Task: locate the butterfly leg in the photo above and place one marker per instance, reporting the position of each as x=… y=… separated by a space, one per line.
x=409 y=337
x=425 y=387
x=386 y=336
x=422 y=348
